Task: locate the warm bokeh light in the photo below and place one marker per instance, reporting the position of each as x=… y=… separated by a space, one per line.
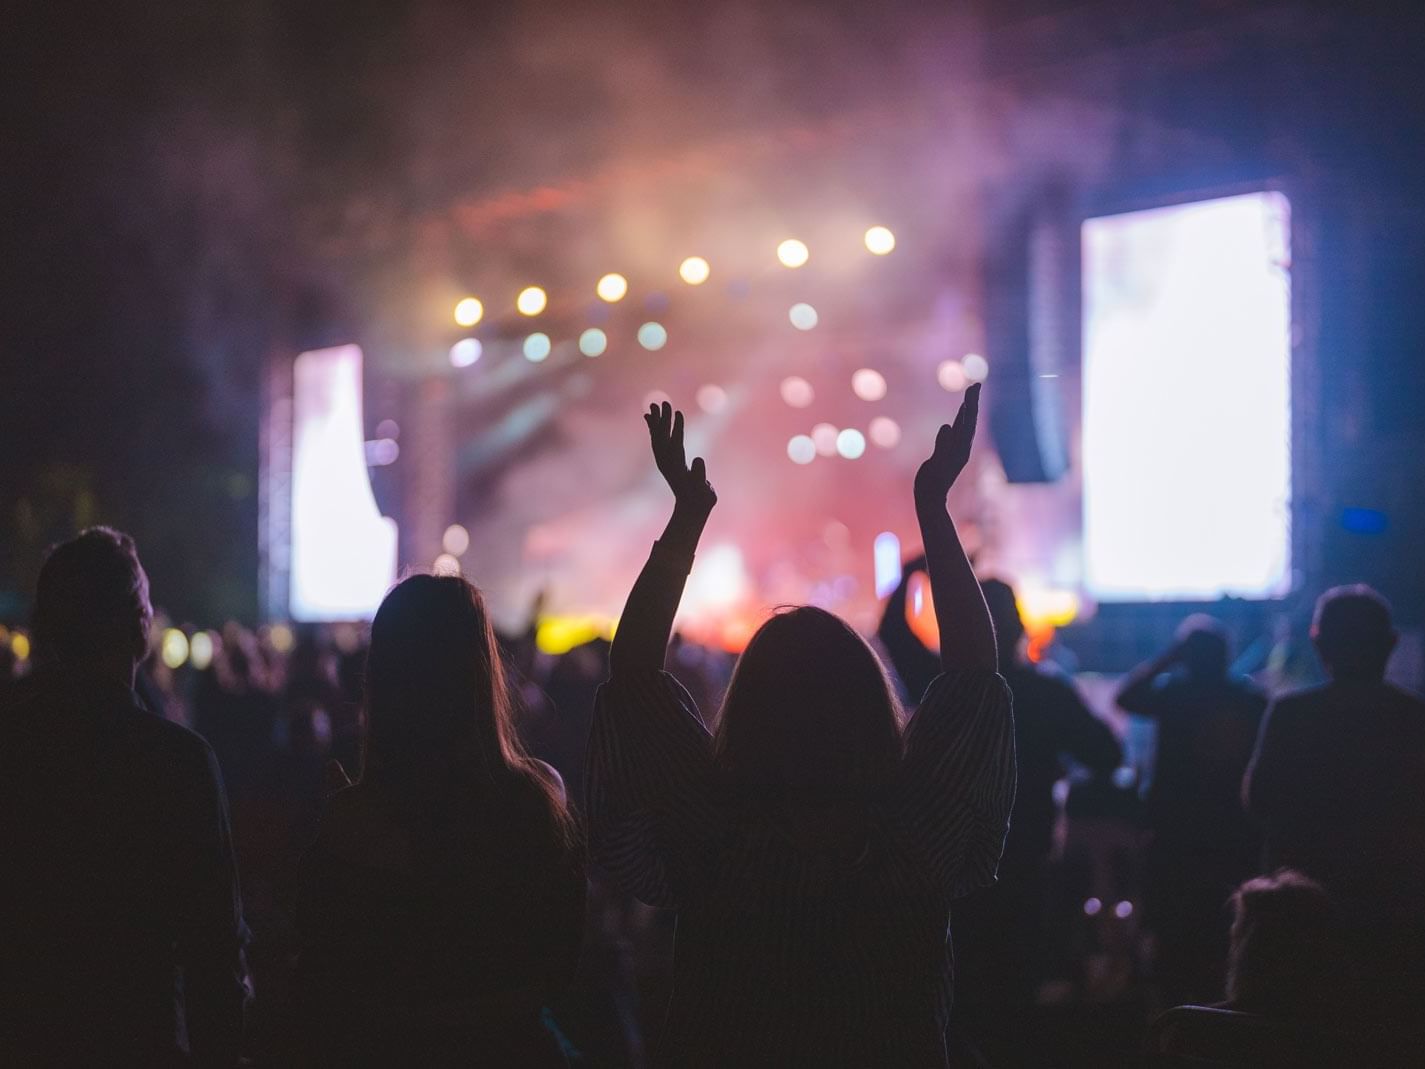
x=885 y=432
x=851 y=443
x=797 y=392
x=652 y=336
x=801 y=449
x=977 y=368
x=824 y=437
x=456 y=539
x=951 y=376
x=280 y=638
x=868 y=384
x=879 y=240
x=465 y=352
x=593 y=342
x=557 y=635
x=20 y=646
x=793 y=253
x=531 y=301
x=469 y=311
x=612 y=287
x=694 y=270
x=174 y=647
x=803 y=316
x=537 y=347
x=200 y=650
x=711 y=398
x=445 y=564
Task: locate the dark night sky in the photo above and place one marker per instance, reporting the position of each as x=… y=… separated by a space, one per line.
x=173 y=176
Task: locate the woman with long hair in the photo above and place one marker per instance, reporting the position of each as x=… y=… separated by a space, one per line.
x=811 y=846
x=442 y=903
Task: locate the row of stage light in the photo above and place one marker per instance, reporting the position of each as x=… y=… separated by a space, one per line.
x=695 y=270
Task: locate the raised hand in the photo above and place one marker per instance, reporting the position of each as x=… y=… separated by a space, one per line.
x=690 y=485
x=952 y=449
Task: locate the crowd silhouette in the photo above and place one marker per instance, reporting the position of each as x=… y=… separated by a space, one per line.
x=450 y=845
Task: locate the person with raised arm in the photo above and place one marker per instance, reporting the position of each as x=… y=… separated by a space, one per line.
x=811 y=846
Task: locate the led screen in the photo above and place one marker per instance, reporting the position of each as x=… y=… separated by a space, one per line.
x=1187 y=402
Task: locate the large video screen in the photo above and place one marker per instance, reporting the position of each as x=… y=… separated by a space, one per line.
x=1187 y=401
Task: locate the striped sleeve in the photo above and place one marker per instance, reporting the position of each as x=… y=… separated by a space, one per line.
x=956 y=788
x=650 y=810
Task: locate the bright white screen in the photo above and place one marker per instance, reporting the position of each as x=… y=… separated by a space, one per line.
x=343 y=549
x=1187 y=401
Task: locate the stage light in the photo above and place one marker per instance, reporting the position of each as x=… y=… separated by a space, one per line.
x=824 y=437
x=537 y=347
x=445 y=564
x=469 y=311
x=382 y=451
x=1092 y=906
x=851 y=443
x=711 y=398
x=612 y=287
x=879 y=240
x=793 y=253
x=200 y=650
x=869 y=385
x=388 y=428
x=531 y=301
x=797 y=392
x=652 y=336
x=456 y=540
x=593 y=342
x=803 y=316
x=885 y=432
x=951 y=376
x=977 y=368
x=886 y=559
x=1123 y=910
x=464 y=353
x=801 y=449
x=174 y=647
x=655 y=397
x=694 y=270
x=20 y=646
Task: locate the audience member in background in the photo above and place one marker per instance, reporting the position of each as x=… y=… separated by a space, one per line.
x=811 y=849
x=999 y=930
x=1289 y=956
x=1203 y=844
x=1338 y=784
x=442 y=903
x=121 y=925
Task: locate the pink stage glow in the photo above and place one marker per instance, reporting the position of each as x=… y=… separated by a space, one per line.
x=1187 y=401
x=343 y=549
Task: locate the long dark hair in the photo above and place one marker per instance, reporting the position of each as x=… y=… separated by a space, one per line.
x=809 y=711
x=438 y=712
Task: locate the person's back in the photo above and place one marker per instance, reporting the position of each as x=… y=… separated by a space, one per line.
x=1338 y=785
x=811 y=848
x=1203 y=844
x=120 y=920
x=442 y=904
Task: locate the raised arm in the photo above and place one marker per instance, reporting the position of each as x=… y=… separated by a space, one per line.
x=1137 y=693
x=641 y=642
x=967 y=637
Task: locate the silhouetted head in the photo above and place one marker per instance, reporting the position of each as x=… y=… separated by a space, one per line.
x=1204 y=647
x=1353 y=633
x=91 y=605
x=1288 y=954
x=809 y=710
x=1004 y=612
x=437 y=709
